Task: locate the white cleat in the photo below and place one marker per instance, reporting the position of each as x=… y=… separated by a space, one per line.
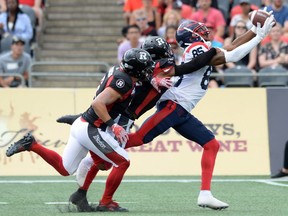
x=208 y=201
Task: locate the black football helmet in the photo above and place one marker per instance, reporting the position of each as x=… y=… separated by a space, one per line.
x=137 y=63
x=157 y=47
x=191 y=31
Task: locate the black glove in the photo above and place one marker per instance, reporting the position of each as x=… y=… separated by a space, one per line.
x=68 y=119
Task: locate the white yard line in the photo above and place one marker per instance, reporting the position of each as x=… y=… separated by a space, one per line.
x=66 y=203
x=274 y=183
x=145 y=181
x=3 y=203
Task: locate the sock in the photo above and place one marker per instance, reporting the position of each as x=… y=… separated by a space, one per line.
x=205 y=193
x=51 y=157
x=134 y=140
x=207 y=163
x=89 y=177
x=114 y=179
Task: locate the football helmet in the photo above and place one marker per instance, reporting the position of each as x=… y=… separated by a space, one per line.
x=191 y=31
x=157 y=47
x=137 y=63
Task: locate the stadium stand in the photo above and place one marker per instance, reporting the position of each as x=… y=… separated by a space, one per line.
x=80 y=30
x=273 y=80
x=66 y=74
x=243 y=80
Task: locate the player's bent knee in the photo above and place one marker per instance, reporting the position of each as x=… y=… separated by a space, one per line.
x=212 y=145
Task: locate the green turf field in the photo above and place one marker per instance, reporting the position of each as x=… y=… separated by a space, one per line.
x=249 y=196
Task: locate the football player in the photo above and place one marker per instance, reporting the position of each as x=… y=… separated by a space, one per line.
x=175 y=105
x=95 y=129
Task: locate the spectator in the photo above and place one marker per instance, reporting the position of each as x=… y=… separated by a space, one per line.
x=284 y=170
x=216 y=41
x=133 y=41
x=16 y=61
x=142 y=22
x=280 y=12
x=214 y=3
x=250 y=59
x=237 y=9
x=132 y=5
x=153 y=16
x=184 y=10
x=274 y=52
x=15 y=22
x=170 y=33
x=244 y=15
x=207 y=14
x=171 y=18
x=36 y=5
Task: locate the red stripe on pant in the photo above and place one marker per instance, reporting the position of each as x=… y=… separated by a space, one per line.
x=136 y=139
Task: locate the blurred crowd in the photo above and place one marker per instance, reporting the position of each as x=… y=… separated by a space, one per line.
x=20 y=24
x=225 y=20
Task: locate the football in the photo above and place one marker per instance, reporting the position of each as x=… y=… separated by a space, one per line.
x=258 y=16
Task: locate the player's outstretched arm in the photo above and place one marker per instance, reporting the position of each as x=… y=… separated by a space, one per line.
x=193 y=65
x=245 y=37
x=241 y=51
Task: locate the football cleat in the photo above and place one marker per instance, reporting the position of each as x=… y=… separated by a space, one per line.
x=208 y=201
x=110 y=207
x=68 y=119
x=23 y=144
x=81 y=202
x=280 y=174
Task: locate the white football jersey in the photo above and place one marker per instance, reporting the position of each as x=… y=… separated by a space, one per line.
x=191 y=87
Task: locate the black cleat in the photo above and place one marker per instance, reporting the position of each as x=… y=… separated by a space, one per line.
x=80 y=200
x=68 y=119
x=23 y=144
x=280 y=174
x=110 y=207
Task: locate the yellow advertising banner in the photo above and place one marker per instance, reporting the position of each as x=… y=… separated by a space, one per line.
x=238 y=118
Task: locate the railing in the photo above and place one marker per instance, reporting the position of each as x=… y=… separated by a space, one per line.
x=76 y=70
x=14 y=75
x=78 y=76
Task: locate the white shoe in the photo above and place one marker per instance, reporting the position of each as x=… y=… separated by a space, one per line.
x=211 y=202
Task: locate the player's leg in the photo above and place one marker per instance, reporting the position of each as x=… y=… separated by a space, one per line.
x=106 y=147
x=194 y=130
x=165 y=117
x=112 y=183
x=86 y=172
x=28 y=143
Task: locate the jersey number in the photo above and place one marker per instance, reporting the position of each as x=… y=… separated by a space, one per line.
x=205 y=79
x=198 y=51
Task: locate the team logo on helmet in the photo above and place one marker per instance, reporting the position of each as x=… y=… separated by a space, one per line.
x=120 y=83
x=143 y=56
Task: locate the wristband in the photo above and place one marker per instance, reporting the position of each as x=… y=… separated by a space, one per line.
x=110 y=122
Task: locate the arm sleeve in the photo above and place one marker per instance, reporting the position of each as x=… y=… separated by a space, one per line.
x=196 y=63
x=241 y=51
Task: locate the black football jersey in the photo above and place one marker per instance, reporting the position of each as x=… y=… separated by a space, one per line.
x=122 y=83
x=146 y=96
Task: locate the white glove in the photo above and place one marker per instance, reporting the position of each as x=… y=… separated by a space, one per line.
x=158 y=82
x=254 y=28
x=263 y=32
